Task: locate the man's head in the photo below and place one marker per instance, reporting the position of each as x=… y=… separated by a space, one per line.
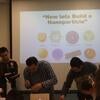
x=4 y=54
x=76 y=64
x=32 y=63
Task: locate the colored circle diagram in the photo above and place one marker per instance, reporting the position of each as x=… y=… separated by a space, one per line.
x=89 y=36
x=42 y=37
x=55 y=36
x=57 y=54
x=89 y=53
x=72 y=37
x=42 y=53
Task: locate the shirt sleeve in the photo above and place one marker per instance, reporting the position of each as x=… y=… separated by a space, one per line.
x=12 y=67
x=16 y=67
x=26 y=74
x=52 y=79
x=93 y=69
x=2 y=69
x=67 y=84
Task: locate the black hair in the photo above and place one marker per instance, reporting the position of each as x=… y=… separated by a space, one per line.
x=31 y=60
x=76 y=62
x=86 y=85
x=3 y=49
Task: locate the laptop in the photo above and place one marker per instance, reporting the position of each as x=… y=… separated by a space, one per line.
x=40 y=96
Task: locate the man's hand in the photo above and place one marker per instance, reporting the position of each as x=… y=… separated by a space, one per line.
x=61 y=97
x=13 y=77
x=37 y=86
x=27 y=84
x=7 y=74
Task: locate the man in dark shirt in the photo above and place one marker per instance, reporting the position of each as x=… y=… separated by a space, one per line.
x=8 y=69
x=98 y=84
x=3 y=79
x=39 y=75
x=78 y=72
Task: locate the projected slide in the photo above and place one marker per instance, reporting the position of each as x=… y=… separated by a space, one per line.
x=57 y=36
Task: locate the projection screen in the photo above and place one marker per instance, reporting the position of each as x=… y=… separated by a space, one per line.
x=55 y=31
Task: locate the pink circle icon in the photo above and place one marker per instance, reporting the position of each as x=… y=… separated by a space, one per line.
x=72 y=37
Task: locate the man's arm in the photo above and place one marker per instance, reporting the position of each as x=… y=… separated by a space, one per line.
x=13 y=74
x=91 y=68
x=26 y=75
x=52 y=79
x=67 y=84
x=16 y=67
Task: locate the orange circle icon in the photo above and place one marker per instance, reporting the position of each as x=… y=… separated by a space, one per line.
x=90 y=53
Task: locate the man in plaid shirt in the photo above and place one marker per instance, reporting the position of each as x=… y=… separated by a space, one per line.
x=39 y=75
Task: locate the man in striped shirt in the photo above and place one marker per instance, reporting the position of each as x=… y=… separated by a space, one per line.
x=39 y=75
x=79 y=72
